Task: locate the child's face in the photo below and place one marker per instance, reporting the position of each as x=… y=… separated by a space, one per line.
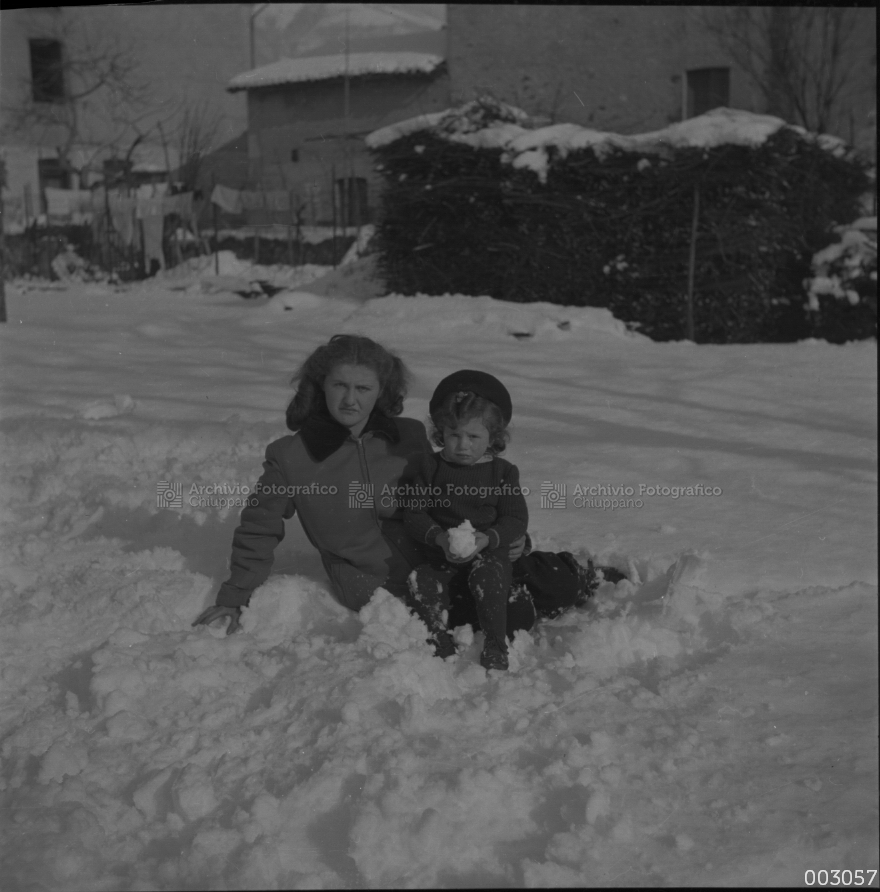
x=466 y=443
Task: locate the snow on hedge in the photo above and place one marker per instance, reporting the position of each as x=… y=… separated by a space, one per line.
x=838 y=267
x=527 y=147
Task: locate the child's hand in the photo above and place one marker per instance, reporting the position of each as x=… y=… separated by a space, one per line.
x=481 y=540
x=442 y=541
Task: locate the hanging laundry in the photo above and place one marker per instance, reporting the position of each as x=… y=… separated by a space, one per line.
x=14 y=220
x=150 y=207
x=181 y=204
x=66 y=202
x=152 y=228
x=252 y=201
x=122 y=215
x=151 y=213
x=278 y=201
x=227 y=199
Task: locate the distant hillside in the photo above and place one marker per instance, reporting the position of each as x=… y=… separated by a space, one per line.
x=317 y=29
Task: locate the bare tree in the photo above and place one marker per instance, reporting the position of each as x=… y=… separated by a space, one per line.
x=97 y=101
x=196 y=135
x=798 y=56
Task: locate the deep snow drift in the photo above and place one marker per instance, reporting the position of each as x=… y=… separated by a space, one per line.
x=711 y=721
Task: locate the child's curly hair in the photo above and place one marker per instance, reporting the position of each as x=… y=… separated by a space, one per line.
x=460 y=408
x=345 y=349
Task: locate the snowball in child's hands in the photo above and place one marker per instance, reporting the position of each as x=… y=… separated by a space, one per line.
x=462 y=540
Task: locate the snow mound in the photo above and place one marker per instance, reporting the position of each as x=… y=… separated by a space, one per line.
x=356 y=280
x=224 y=271
x=288 y=608
x=485 y=315
x=293 y=300
x=121 y=404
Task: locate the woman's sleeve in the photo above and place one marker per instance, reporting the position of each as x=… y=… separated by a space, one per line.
x=513 y=513
x=258 y=534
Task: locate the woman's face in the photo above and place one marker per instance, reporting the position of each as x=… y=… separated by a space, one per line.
x=351 y=392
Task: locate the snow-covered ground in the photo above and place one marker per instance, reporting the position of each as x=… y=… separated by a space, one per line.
x=712 y=721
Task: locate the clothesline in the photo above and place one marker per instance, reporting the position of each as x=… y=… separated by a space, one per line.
x=235 y=201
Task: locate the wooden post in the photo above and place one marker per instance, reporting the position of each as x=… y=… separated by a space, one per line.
x=26 y=195
x=692 y=262
x=257 y=227
x=167 y=159
x=299 y=241
x=333 y=203
x=107 y=226
x=2 y=245
x=216 y=236
x=290 y=229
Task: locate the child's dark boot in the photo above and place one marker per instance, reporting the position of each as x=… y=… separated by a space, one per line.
x=444 y=644
x=494 y=655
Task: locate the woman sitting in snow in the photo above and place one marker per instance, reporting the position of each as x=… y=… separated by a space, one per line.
x=466 y=505
x=349 y=448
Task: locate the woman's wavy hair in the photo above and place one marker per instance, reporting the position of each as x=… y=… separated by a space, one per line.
x=345 y=349
x=460 y=408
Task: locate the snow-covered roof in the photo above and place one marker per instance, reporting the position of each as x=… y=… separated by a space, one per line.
x=527 y=148
x=317 y=68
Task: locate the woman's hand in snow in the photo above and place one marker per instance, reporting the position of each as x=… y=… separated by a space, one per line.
x=517 y=548
x=206 y=617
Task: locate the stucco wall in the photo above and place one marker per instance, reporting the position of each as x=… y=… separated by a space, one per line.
x=186 y=55
x=616 y=68
x=309 y=118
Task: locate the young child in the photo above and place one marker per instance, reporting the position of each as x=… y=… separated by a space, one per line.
x=466 y=480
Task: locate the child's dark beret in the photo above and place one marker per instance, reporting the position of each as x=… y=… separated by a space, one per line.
x=480 y=383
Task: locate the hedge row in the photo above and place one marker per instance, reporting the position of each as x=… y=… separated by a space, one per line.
x=616 y=232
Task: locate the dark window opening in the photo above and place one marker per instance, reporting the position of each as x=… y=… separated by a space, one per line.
x=52 y=176
x=294 y=155
x=351 y=201
x=47 y=72
x=116 y=171
x=707 y=88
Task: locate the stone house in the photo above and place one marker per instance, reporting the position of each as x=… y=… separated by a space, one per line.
x=57 y=131
x=626 y=69
x=307 y=119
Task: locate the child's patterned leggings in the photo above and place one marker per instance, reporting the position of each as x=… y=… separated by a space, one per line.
x=487 y=577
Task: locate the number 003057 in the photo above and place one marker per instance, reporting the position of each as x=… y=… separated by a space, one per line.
x=845 y=877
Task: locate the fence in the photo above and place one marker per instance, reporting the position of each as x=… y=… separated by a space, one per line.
x=133 y=234
x=309 y=216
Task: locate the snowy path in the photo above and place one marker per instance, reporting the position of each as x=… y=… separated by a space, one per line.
x=723 y=735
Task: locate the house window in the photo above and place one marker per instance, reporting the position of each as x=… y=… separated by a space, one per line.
x=294 y=156
x=52 y=176
x=707 y=88
x=351 y=201
x=47 y=72
x=116 y=171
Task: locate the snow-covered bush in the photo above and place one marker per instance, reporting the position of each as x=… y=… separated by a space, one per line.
x=574 y=216
x=842 y=287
